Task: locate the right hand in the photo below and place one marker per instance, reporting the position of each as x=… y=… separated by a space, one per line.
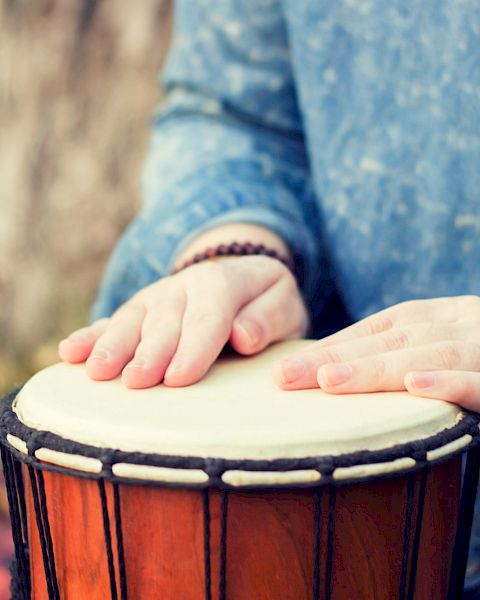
x=174 y=329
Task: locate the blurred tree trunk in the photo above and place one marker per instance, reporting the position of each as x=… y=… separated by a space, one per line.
x=78 y=83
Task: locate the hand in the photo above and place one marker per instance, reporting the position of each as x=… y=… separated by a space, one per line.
x=174 y=329
x=429 y=347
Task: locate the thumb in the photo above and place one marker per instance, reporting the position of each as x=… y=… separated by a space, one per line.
x=277 y=314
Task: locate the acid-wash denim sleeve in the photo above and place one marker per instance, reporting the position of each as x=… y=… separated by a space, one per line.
x=227 y=146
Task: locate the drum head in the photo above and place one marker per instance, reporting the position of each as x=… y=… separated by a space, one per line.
x=235 y=412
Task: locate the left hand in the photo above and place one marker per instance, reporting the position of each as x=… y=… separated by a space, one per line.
x=429 y=347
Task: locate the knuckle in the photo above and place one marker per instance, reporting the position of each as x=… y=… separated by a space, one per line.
x=396 y=340
x=329 y=355
x=447 y=355
x=379 y=323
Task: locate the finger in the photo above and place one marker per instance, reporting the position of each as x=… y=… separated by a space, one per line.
x=310 y=359
x=203 y=334
x=436 y=310
x=386 y=372
x=116 y=346
x=77 y=346
x=459 y=387
x=160 y=333
x=263 y=321
x=215 y=294
x=205 y=326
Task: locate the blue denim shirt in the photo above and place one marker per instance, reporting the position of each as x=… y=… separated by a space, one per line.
x=349 y=127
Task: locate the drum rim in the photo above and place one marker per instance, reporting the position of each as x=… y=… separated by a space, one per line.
x=33 y=440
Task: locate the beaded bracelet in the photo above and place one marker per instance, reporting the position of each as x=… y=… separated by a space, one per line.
x=235 y=249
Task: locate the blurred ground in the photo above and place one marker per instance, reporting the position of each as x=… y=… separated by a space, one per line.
x=78 y=83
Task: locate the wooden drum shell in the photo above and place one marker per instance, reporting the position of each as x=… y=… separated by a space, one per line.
x=270 y=539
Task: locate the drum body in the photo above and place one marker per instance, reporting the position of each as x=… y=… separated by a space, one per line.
x=245 y=523
x=270 y=540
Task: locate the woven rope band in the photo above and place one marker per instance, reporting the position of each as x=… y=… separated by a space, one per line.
x=419 y=450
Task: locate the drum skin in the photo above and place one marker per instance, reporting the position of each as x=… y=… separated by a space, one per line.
x=270 y=539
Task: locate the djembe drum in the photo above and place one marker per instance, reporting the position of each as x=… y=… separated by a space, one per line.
x=232 y=489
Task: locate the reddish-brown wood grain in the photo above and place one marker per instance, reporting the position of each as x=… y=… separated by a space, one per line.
x=269 y=543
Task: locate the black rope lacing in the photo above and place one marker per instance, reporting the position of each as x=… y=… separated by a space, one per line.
x=108 y=540
x=42 y=523
x=417 y=534
x=120 y=548
x=222 y=592
x=402 y=593
x=206 y=544
x=317 y=499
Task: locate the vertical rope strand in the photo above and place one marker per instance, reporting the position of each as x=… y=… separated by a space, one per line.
x=13 y=502
x=223 y=547
x=465 y=520
x=406 y=535
x=108 y=540
x=21 y=495
x=330 y=539
x=41 y=534
x=120 y=548
x=317 y=498
x=206 y=543
x=418 y=532
x=48 y=535
x=21 y=559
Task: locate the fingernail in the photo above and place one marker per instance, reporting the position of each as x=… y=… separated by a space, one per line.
x=292 y=370
x=421 y=380
x=99 y=355
x=335 y=374
x=250 y=330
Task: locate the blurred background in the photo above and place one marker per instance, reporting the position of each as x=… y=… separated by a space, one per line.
x=78 y=83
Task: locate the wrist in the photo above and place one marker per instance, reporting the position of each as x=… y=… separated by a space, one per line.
x=235 y=250
x=243 y=234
